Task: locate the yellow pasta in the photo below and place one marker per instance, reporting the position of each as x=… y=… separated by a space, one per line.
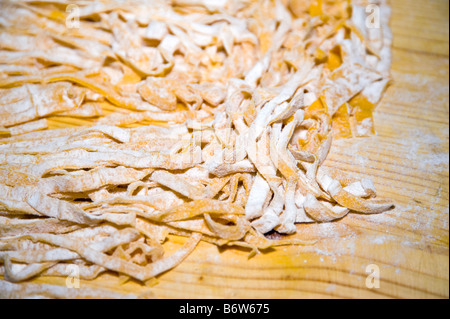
x=205 y=119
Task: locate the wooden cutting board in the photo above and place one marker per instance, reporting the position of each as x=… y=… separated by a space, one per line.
x=407 y=247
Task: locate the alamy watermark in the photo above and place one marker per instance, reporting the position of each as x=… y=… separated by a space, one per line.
x=73 y=279
x=73 y=16
x=373 y=279
x=373 y=19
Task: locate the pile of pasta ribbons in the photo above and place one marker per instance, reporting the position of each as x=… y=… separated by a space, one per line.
x=122 y=122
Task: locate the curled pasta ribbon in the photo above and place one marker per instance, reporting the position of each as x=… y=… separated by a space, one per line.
x=234 y=232
x=319 y=211
x=357 y=204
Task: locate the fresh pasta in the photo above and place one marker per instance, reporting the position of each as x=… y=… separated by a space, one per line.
x=205 y=119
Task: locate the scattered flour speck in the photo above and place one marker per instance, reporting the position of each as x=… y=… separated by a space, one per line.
x=331 y=288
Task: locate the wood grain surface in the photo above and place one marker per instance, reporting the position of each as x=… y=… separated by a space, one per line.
x=408 y=161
